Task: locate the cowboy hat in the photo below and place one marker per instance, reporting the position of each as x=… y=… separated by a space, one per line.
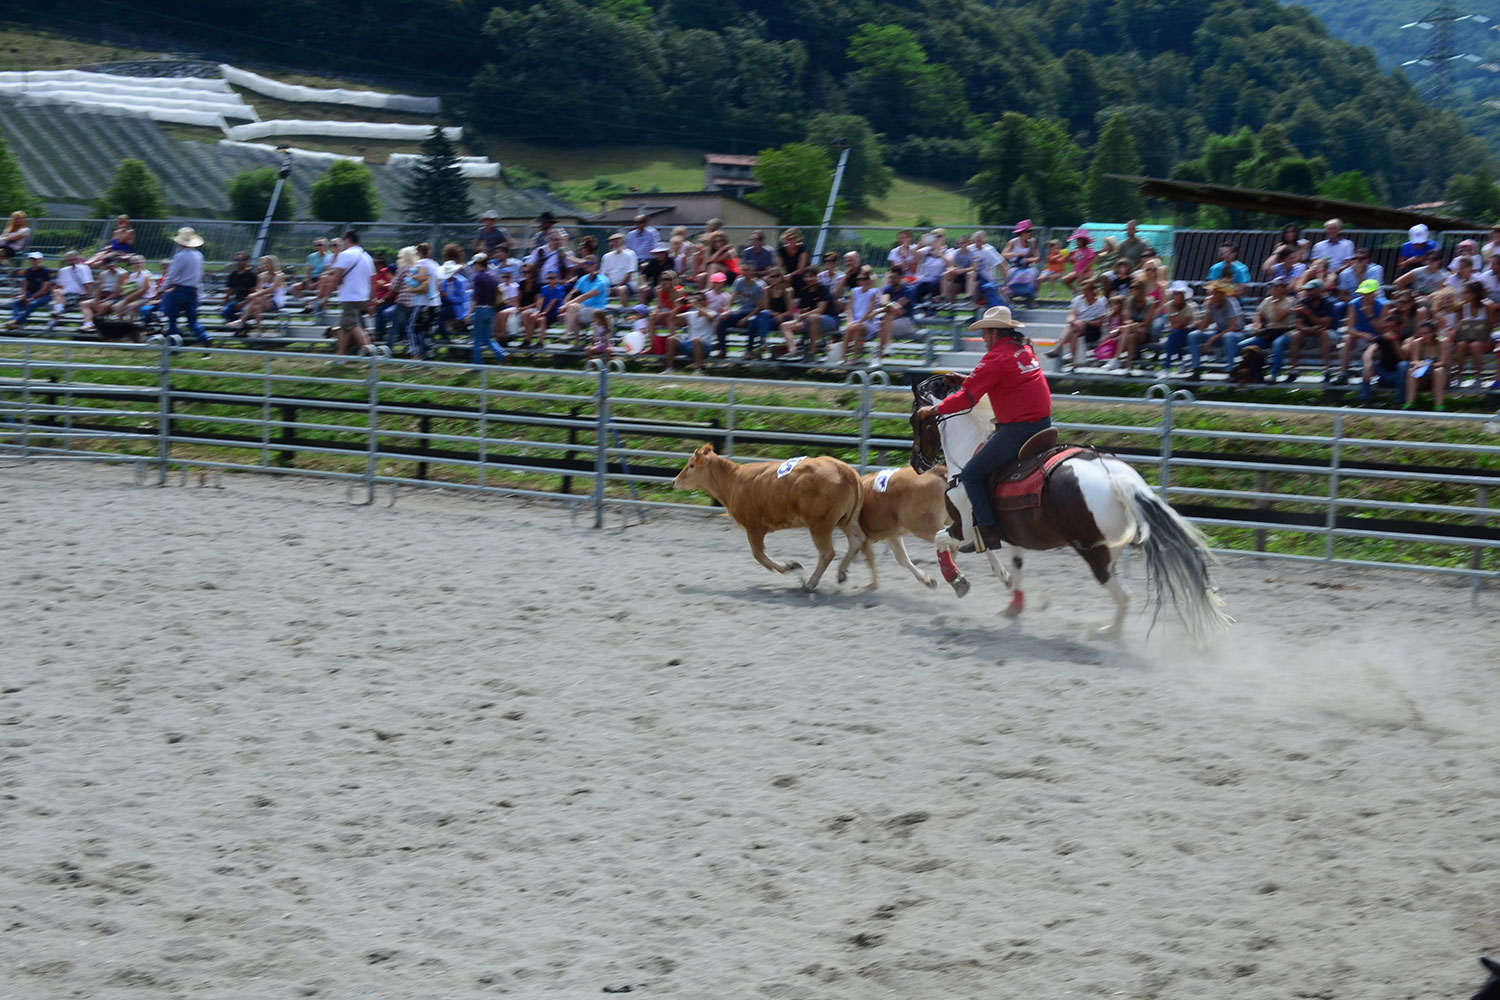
x=1023 y=225
x=1081 y=234
x=449 y=269
x=996 y=318
x=187 y=237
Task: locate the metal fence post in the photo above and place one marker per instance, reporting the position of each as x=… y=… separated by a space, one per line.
x=1330 y=521
x=864 y=423
x=164 y=412
x=601 y=445
x=25 y=400
x=729 y=423
x=372 y=445
x=1164 y=466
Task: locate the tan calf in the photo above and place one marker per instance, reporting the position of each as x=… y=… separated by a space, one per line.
x=912 y=503
x=819 y=494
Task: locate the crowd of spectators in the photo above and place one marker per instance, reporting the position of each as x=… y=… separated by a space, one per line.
x=1321 y=303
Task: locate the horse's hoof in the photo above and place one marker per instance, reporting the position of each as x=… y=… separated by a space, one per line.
x=1110 y=631
x=1015 y=607
x=961 y=586
x=928 y=582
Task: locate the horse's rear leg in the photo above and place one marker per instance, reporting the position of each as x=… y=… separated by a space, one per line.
x=823 y=538
x=1103 y=561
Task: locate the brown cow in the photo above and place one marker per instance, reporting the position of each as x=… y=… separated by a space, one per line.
x=818 y=494
x=912 y=503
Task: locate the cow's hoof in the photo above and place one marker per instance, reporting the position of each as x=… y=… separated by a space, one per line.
x=788 y=567
x=843 y=575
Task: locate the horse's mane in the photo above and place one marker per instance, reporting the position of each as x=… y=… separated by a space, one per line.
x=983 y=410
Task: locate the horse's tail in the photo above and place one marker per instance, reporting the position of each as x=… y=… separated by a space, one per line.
x=1177 y=560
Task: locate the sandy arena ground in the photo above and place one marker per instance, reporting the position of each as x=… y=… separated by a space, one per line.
x=255 y=742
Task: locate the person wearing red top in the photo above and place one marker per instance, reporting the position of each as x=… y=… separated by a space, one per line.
x=1011 y=376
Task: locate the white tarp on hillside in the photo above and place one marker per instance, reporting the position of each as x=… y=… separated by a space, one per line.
x=104 y=105
x=85 y=77
x=472 y=167
x=311 y=154
x=325 y=95
x=144 y=99
x=339 y=130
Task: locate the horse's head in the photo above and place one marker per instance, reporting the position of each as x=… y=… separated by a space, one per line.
x=926 y=443
x=694 y=475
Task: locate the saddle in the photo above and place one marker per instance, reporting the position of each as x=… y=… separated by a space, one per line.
x=1018 y=485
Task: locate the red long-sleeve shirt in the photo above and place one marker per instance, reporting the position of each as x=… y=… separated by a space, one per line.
x=1011 y=376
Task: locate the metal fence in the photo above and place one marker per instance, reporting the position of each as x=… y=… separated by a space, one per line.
x=1336 y=486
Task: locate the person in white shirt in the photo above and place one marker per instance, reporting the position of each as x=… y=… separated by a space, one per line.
x=988 y=270
x=74 y=285
x=424 y=282
x=903 y=254
x=352 y=270
x=620 y=266
x=1333 y=245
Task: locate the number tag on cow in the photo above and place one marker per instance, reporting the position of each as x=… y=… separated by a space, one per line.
x=883 y=479
x=788 y=465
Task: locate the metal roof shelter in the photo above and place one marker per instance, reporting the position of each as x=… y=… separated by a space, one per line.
x=1294 y=206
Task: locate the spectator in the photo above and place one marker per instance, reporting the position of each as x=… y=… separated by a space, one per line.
x=1056 y=265
x=1020 y=284
x=121 y=244
x=718 y=295
x=549 y=306
x=180 y=287
x=1316 y=320
x=757 y=256
x=1414 y=251
x=519 y=315
x=404 y=281
x=959 y=275
x=1085 y=323
x=1151 y=274
x=483 y=298
x=1117 y=281
x=716 y=256
x=1333 y=247
x=1181 y=315
x=1490 y=248
x=849 y=279
x=553 y=257
x=932 y=265
x=1471 y=337
x=16 y=236
x=666 y=311
x=1082 y=259
x=506 y=267
x=317 y=262
x=590 y=294
x=36 y=289
x=867 y=309
x=587 y=247
x=135 y=289
x=269 y=296
x=106 y=292
x=424 y=279
x=1274 y=320
x=1140 y=318
x=238 y=285
x=1021 y=248
x=1284 y=262
x=1230 y=268
x=620 y=268
x=453 y=292
x=1132 y=248
x=1221 y=311
x=1108 y=348
x=1426 y=368
x=898 y=289
x=903 y=254
x=1356 y=271
x=829 y=276
x=1384 y=361
x=698 y=339
x=382 y=295
x=794 y=257
x=352 y=272
x=1466 y=250
x=1290 y=249
x=1428 y=278
x=546 y=229
x=817 y=317
x=1464 y=272
x=747 y=300
x=659 y=261
x=781 y=301
x=72 y=286
x=1362 y=329
x=491 y=236
x=1317 y=270
x=600 y=337
x=989 y=271
x=642 y=239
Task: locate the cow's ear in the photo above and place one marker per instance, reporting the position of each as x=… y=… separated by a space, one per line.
x=707 y=449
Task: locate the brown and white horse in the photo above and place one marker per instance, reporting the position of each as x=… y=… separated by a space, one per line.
x=1096 y=504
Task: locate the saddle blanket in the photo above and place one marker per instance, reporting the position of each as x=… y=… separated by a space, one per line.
x=1019 y=487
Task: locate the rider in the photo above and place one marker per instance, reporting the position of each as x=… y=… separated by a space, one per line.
x=1010 y=374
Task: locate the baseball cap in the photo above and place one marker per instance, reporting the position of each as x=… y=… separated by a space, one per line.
x=1367 y=286
x=1313 y=286
x=34 y=255
x=718 y=277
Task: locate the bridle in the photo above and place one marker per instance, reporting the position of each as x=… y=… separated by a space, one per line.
x=932 y=387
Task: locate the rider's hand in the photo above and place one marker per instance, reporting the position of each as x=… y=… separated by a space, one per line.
x=926 y=413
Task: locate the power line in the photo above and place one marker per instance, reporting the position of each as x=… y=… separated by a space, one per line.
x=1441 y=56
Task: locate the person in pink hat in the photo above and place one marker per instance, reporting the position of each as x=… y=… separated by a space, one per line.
x=1022 y=250
x=1082 y=258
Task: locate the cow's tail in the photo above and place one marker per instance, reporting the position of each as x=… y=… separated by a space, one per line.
x=850 y=521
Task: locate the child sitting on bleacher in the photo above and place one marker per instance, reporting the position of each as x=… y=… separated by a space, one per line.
x=1057 y=263
x=549 y=305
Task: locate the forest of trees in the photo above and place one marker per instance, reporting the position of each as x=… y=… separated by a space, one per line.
x=1016 y=96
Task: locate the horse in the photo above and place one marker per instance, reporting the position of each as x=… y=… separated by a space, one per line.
x=819 y=494
x=1092 y=502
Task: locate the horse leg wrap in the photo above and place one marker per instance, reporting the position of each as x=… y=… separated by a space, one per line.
x=946 y=564
x=1017 y=603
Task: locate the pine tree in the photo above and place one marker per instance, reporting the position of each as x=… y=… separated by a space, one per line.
x=436 y=191
x=1107 y=199
x=14 y=194
x=135 y=192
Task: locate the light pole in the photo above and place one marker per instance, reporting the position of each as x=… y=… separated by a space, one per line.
x=282 y=174
x=842 y=145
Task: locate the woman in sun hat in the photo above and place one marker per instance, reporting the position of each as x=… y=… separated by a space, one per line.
x=1011 y=377
x=1022 y=249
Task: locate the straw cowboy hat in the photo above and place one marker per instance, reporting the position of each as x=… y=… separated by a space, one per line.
x=996 y=318
x=187 y=237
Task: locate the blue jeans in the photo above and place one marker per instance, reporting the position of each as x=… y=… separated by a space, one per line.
x=1002 y=447
x=418 y=324
x=183 y=300
x=1230 y=346
x=231 y=309
x=1176 y=346
x=1385 y=378
x=483 y=334
x=21 y=310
